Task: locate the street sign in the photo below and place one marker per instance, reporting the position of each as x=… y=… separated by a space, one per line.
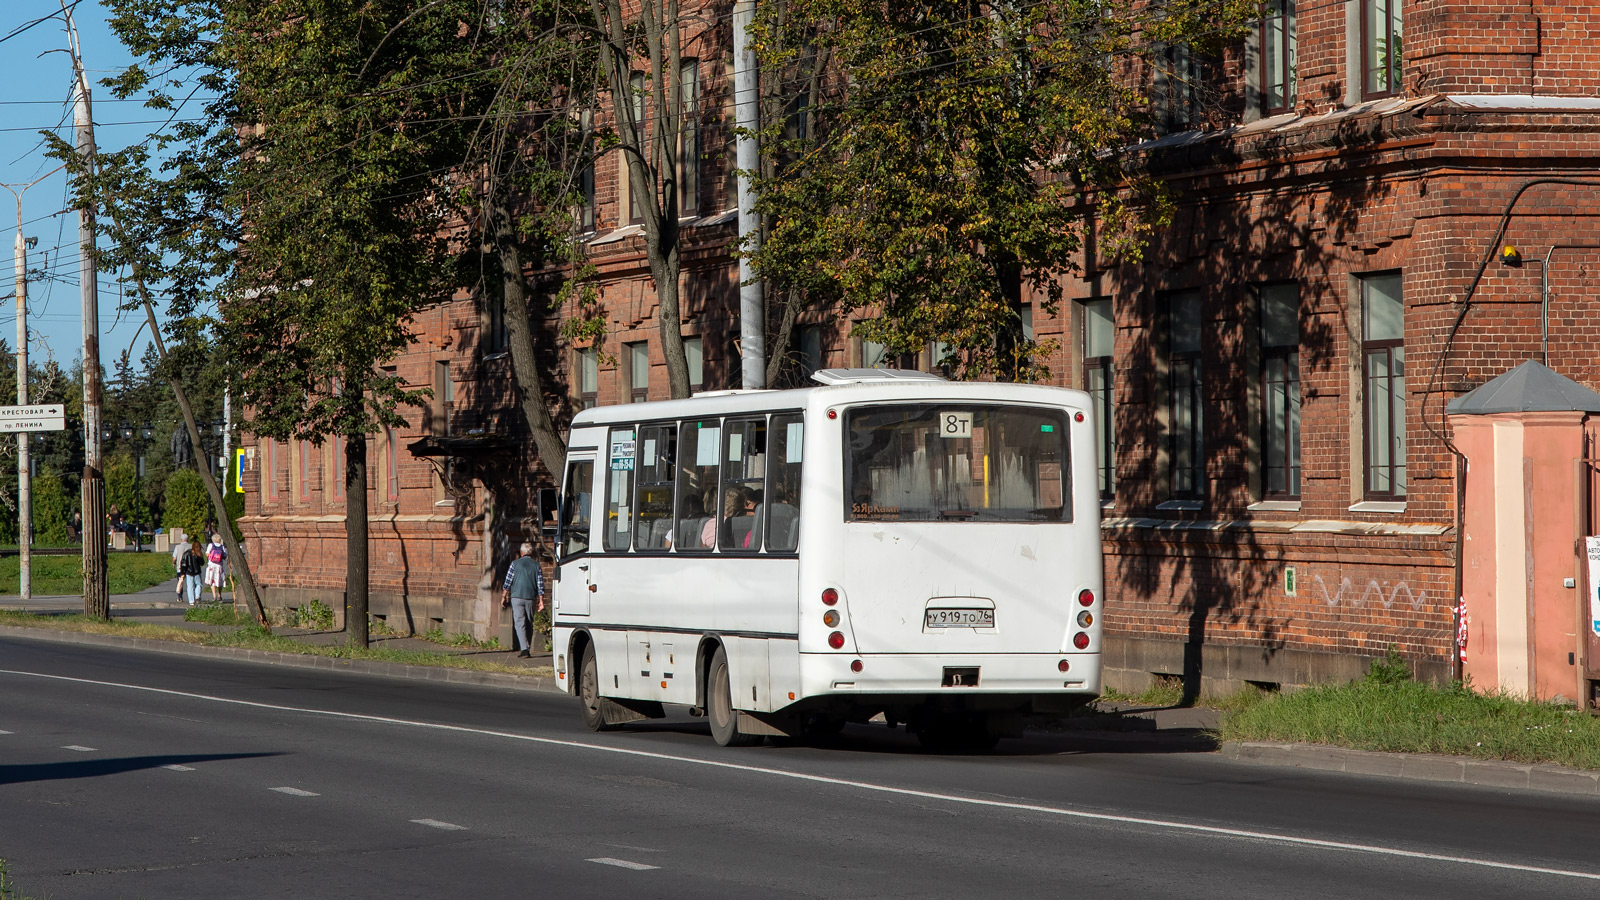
x=48 y=417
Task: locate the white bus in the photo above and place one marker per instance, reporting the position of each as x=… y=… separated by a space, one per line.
x=783 y=562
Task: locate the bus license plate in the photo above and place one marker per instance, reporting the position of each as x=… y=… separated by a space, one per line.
x=958 y=618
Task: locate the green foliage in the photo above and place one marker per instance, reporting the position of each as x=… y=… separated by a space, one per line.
x=949 y=158
x=1392 y=668
x=186 y=504
x=124 y=489
x=315 y=615
x=1414 y=717
x=216 y=614
x=52 y=507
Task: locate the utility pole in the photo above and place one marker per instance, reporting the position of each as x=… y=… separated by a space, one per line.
x=747 y=158
x=96 y=592
x=24 y=467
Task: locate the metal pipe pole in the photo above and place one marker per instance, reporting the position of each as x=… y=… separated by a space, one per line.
x=24 y=471
x=747 y=157
x=96 y=594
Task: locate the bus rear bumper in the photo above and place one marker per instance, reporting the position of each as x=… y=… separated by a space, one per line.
x=950 y=676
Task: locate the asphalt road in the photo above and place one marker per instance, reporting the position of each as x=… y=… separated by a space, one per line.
x=135 y=775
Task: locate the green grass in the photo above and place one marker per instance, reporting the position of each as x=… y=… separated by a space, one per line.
x=129 y=573
x=216 y=614
x=255 y=638
x=1410 y=717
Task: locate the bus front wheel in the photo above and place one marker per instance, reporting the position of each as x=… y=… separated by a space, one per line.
x=719 y=706
x=589 y=692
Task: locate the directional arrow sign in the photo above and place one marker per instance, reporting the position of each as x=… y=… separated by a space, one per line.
x=49 y=417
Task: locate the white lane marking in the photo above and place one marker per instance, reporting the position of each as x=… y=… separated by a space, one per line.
x=435 y=823
x=80 y=749
x=621 y=864
x=4 y=732
x=177 y=768
x=1064 y=812
x=294 y=792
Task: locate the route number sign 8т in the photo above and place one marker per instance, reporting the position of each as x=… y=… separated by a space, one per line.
x=955 y=424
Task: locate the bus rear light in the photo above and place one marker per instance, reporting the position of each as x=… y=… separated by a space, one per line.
x=855 y=665
x=830 y=597
x=836 y=640
x=833 y=414
x=1081 y=641
x=830 y=618
x=1077 y=417
x=1085 y=619
x=1086 y=597
x=1063 y=666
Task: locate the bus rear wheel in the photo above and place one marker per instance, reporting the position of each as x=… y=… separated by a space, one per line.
x=589 y=692
x=719 y=706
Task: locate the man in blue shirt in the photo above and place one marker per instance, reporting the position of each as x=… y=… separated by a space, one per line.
x=523 y=587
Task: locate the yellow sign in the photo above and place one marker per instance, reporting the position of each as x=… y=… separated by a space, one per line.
x=238 y=470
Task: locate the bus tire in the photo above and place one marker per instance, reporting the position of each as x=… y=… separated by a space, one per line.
x=594 y=717
x=719 y=705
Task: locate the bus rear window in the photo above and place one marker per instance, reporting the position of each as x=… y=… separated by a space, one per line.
x=956 y=463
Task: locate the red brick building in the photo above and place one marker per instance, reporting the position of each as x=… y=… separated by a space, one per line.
x=1279 y=490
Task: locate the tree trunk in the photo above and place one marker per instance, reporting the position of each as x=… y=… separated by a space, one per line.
x=355 y=530
x=1009 y=339
x=246 y=583
x=519 y=323
x=96 y=594
x=778 y=347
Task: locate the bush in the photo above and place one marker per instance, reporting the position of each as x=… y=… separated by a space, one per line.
x=123 y=490
x=1391 y=669
x=186 y=503
x=52 y=508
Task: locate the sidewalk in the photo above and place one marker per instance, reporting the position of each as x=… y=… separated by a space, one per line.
x=159 y=605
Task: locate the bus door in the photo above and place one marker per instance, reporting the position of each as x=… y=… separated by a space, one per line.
x=574 y=582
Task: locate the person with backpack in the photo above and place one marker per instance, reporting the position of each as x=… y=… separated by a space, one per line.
x=192 y=563
x=216 y=556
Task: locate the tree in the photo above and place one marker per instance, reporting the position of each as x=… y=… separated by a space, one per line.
x=186 y=504
x=344 y=173
x=649 y=110
x=961 y=151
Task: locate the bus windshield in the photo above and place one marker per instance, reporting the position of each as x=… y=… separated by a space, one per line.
x=956 y=462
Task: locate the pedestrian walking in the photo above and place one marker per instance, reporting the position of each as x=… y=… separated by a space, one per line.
x=190 y=567
x=216 y=557
x=524 y=586
x=179 y=548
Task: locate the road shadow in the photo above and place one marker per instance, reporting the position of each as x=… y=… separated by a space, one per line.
x=95 y=768
x=897 y=741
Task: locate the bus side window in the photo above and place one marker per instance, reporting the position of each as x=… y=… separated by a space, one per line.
x=575 y=508
x=781 y=513
x=744 y=470
x=621 y=454
x=657 y=451
x=698 y=444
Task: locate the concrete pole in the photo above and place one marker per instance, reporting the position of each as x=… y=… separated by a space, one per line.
x=227 y=439
x=747 y=157
x=24 y=472
x=96 y=595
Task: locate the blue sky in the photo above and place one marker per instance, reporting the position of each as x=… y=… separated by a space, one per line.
x=34 y=93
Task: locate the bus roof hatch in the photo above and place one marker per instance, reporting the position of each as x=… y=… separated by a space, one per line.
x=853 y=376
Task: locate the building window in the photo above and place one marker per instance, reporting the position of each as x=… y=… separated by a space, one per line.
x=496 y=339
x=689 y=139
x=1098 y=380
x=303 y=467
x=586 y=210
x=588 y=378
x=1178 y=88
x=1383 y=353
x=694 y=353
x=638 y=357
x=1380 y=47
x=269 y=474
x=635 y=203
x=391 y=465
x=810 y=350
x=444 y=397
x=1280 y=389
x=1278 y=49
x=1185 y=410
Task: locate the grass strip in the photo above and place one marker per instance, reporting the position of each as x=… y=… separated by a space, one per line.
x=252 y=637
x=1412 y=717
x=127 y=573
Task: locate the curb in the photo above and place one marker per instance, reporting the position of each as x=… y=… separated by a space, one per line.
x=534 y=683
x=1418 y=767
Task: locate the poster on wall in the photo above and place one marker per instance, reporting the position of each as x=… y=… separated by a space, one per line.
x=1592 y=545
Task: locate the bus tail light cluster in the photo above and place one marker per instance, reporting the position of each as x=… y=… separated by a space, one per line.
x=833 y=619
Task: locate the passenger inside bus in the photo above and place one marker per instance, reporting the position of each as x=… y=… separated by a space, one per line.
x=733 y=505
x=690 y=520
